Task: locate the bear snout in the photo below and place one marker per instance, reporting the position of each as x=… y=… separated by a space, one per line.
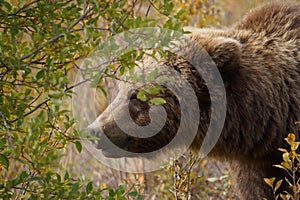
x=96 y=135
x=109 y=139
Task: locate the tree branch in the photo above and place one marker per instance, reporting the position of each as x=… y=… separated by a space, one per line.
x=54 y=39
x=45 y=101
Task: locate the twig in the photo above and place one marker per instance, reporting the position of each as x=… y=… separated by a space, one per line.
x=148 y=10
x=45 y=101
x=75 y=85
x=152 y=4
x=54 y=39
x=25 y=6
x=194 y=161
x=80 y=18
x=40 y=48
x=31 y=111
x=175 y=178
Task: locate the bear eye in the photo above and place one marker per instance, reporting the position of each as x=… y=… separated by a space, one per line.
x=133 y=94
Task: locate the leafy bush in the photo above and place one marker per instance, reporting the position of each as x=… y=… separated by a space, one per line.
x=291 y=165
x=41 y=41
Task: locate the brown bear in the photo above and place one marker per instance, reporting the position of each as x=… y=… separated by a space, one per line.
x=259 y=61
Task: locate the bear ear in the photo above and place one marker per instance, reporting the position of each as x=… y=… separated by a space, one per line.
x=226 y=52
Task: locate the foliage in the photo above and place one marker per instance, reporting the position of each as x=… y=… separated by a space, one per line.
x=291 y=165
x=41 y=42
x=191 y=181
x=183 y=177
x=201 y=13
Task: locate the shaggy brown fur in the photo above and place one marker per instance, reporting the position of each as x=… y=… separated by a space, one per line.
x=259 y=60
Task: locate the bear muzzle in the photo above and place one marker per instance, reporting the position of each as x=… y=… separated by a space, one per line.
x=109 y=140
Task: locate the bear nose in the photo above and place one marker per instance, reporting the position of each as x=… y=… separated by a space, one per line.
x=99 y=139
x=96 y=135
x=91 y=131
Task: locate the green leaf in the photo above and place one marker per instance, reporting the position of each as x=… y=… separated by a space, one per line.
x=155 y=89
x=56 y=95
x=66 y=177
x=122 y=70
x=75 y=188
x=96 y=80
x=89 y=187
x=179 y=13
x=168 y=8
x=141 y=95
x=19 y=179
x=78 y=146
x=27 y=92
x=153 y=75
x=121 y=188
x=58 y=178
x=6 y=4
x=157 y=101
x=4 y=161
x=111 y=192
x=133 y=194
x=40 y=74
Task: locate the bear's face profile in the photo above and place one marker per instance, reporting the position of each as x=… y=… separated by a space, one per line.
x=109 y=126
x=128 y=105
x=259 y=62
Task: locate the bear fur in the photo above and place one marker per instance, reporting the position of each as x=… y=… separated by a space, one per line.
x=259 y=61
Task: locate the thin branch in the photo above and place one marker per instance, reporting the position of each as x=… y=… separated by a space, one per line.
x=152 y=4
x=175 y=178
x=35 y=99
x=45 y=101
x=148 y=10
x=31 y=111
x=24 y=189
x=80 y=18
x=54 y=39
x=25 y=6
x=75 y=85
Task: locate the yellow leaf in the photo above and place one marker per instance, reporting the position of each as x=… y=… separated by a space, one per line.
x=269 y=181
x=277 y=185
x=293 y=154
x=295 y=145
x=59 y=146
x=279 y=166
x=291 y=136
x=42 y=139
x=287 y=165
x=75 y=27
x=103 y=185
x=286 y=157
x=282 y=150
x=290 y=139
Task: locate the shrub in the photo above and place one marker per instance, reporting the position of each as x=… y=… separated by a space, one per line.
x=291 y=165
